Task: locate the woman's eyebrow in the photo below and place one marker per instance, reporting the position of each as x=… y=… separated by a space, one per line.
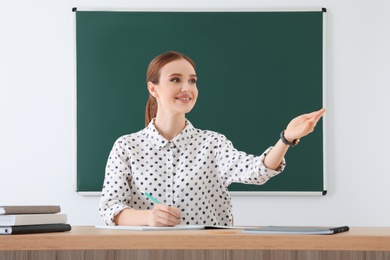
x=180 y=75
x=175 y=74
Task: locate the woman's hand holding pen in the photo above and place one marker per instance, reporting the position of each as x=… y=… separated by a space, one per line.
x=302 y=125
x=160 y=216
x=163 y=215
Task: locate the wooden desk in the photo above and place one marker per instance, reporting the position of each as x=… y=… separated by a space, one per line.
x=91 y=243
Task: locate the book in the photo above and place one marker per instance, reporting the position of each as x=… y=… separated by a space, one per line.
x=32 y=219
x=29 y=209
x=296 y=230
x=30 y=229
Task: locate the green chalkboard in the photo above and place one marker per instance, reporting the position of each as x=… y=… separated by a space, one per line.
x=256 y=71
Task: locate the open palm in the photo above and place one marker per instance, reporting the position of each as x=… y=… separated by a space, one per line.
x=303 y=125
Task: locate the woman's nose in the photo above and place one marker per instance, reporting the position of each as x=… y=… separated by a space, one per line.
x=186 y=87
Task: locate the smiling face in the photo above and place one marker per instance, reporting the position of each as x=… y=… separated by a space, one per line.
x=176 y=92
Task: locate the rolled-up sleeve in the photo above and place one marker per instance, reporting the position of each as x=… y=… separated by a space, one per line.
x=116 y=192
x=239 y=167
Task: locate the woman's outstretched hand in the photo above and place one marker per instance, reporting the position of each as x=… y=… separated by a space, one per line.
x=296 y=129
x=302 y=125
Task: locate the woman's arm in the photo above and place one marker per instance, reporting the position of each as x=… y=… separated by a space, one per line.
x=296 y=129
x=161 y=215
x=116 y=194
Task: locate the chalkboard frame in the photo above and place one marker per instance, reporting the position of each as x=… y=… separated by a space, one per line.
x=238 y=191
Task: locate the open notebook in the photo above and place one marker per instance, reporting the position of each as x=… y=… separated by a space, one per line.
x=178 y=227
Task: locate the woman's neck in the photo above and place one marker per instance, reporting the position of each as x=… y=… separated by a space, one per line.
x=169 y=127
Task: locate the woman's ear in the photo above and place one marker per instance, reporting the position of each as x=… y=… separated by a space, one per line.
x=152 y=89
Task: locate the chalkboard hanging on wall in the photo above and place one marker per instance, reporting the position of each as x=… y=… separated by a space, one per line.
x=256 y=71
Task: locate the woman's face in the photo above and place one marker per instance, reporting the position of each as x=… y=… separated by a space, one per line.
x=176 y=92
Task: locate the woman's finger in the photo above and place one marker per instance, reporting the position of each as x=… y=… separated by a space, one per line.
x=163 y=215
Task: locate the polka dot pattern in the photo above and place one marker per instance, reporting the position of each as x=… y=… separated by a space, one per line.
x=190 y=172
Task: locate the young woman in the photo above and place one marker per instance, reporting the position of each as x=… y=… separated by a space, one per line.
x=186 y=169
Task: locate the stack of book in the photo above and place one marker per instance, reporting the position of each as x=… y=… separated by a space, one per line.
x=32 y=219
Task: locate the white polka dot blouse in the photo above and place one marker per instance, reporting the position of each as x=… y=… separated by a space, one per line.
x=191 y=172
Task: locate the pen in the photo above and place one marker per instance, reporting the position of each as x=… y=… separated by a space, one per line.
x=151 y=197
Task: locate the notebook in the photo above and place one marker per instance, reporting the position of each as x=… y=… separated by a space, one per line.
x=30 y=229
x=296 y=230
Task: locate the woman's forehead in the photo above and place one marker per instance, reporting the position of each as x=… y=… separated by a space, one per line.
x=180 y=66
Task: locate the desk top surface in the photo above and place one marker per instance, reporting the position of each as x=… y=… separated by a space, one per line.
x=91 y=238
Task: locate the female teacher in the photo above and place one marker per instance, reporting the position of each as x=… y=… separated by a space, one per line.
x=186 y=170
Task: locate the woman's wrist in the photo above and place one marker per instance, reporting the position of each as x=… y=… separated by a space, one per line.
x=287 y=140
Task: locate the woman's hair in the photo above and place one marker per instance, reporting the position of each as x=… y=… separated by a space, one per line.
x=153 y=75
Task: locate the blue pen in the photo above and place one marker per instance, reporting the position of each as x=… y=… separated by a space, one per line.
x=151 y=197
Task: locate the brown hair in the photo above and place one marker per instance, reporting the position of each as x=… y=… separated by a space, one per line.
x=153 y=75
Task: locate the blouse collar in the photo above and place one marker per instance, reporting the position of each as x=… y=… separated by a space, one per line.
x=180 y=141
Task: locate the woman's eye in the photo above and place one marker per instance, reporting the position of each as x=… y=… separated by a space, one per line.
x=193 y=81
x=175 y=80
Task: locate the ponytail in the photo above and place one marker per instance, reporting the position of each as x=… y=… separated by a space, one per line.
x=151 y=110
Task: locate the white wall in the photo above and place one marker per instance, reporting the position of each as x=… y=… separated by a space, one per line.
x=37 y=112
